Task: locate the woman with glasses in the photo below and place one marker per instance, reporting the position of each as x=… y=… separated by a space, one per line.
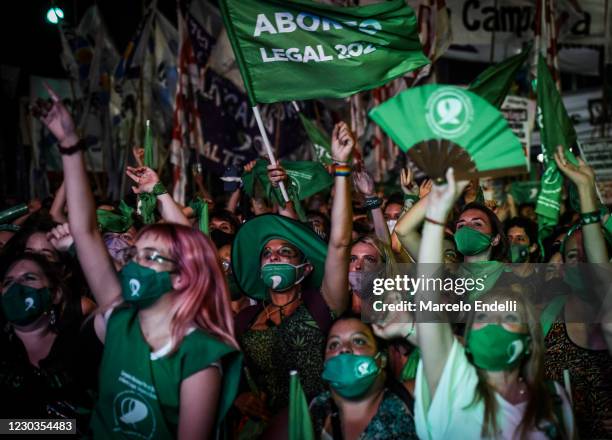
x=171 y=366
x=301 y=283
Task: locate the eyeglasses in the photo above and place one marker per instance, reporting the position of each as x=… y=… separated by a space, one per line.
x=147 y=254
x=284 y=251
x=226 y=265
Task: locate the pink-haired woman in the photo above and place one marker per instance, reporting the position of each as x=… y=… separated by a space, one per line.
x=171 y=365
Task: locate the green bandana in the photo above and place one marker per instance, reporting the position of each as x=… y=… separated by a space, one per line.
x=110 y=221
x=22 y=305
x=147 y=205
x=200 y=210
x=351 y=375
x=471 y=242
x=142 y=286
x=519 y=253
x=282 y=276
x=494 y=348
x=410 y=367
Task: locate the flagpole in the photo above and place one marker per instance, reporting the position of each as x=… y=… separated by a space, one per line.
x=268 y=146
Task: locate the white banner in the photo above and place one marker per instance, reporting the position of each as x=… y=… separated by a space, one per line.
x=520 y=114
x=598 y=154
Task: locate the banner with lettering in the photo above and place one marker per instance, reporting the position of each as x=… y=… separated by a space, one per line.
x=299 y=49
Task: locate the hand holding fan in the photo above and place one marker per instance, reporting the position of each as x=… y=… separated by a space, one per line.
x=444 y=126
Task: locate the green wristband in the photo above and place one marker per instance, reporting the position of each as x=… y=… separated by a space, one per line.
x=159 y=189
x=589 y=218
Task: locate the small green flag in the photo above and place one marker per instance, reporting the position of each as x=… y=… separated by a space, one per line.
x=306 y=178
x=299 y=49
x=300 y=425
x=320 y=140
x=556 y=128
x=494 y=83
x=148 y=145
x=525 y=192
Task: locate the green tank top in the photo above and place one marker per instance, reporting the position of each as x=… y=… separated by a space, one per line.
x=140 y=392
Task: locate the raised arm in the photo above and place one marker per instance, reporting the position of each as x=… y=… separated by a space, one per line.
x=584 y=179
x=335 y=282
x=146 y=179
x=57 y=210
x=435 y=338
x=91 y=252
x=365 y=185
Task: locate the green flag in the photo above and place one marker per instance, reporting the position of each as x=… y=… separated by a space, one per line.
x=320 y=140
x=306 y=178
x=556 y=128
x=300 y=425
x=494 y=83
x=299 y=49
x=148 y=145
x=200 y=211
x=525 y=192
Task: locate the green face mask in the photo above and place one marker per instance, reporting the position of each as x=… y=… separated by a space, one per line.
x=519 y=253
x=494 y=348
x=470 y=242
x=282 y=276
x=22 y=305
x=142 y=286
x=351 y=375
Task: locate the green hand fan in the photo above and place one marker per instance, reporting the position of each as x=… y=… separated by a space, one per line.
x=442 y=126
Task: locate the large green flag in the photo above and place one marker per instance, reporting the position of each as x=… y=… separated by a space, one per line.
x=320 y=140
x=300 y=425
x=299 y=49
x=556 y=128
x=494 y=83
x=306 y=178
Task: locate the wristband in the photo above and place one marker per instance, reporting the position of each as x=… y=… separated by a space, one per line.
x=435 y=222
x=342 y=170
x=339 y=162
x=372 y=203
x=159 y=189
x=589 y=218
x=80 y=145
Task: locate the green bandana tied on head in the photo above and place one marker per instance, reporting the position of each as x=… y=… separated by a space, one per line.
x=110 y=221
x=494 y=348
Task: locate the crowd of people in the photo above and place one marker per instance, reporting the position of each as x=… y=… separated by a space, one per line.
x=154 y=329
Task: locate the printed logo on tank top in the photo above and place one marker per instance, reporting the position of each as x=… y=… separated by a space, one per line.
x=133 y=415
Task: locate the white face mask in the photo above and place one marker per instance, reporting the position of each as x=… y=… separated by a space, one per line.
x=391 y=225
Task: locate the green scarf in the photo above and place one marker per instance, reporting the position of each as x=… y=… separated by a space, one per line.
x=111 y=221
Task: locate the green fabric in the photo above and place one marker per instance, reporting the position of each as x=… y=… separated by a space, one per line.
x=471 y=242
x=410 y=367
x=300 y=425
x=139 y=396
x=525 y=192
x=344 y=51
x=148 y=146
x=111 y=221
x=494 y=348
x=142 y=286
x=22 y=305
x=306 y=178
x=320 y=140
x=607 y=230
x=281 y=276
x=351 y=375
x=519 y=253
x=251 y=240
x=556 y=128
x=488 y=272
x=494 y=83
x=445 y=112
x=200 y=211
x=13 y=212
x=147 y=206
x=550 y=313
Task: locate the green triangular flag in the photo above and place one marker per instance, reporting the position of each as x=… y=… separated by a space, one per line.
x=556 y=128
x=320 y=140
x=300 y=425
x=148 y=145
x=306 y=178
x=494 y=83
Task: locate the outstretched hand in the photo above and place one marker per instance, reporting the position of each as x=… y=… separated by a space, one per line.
x=582 y=175
x=144 y=177
x=443 y=196
x=276 y=174
x=364 y=182
x=57 y=119
x=406 y=180
x=60 y=237
x=343 y=142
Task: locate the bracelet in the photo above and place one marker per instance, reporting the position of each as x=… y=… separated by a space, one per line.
x=339 y=162
x=411 y=331
x=159 y=189
x=589 y=218
x=373 y=202
x=342 y=170
x=435 y=222
x=80 y=145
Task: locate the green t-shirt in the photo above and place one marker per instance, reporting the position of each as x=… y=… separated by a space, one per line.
x=140 y=390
